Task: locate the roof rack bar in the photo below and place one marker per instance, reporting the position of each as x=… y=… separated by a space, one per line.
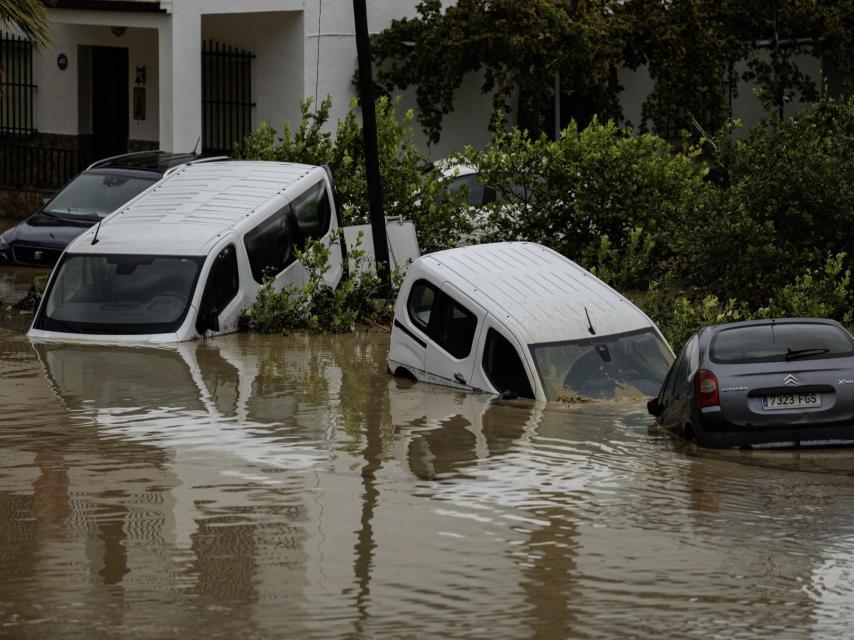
x=103 y=161
x=171 y=170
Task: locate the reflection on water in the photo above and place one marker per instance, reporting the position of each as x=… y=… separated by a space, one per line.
x=287 y=487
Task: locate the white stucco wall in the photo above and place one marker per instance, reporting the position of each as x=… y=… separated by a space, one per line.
x=747 y=107
x=57 y=97
x=637 y=85
x=303 y=48
x=332 y=22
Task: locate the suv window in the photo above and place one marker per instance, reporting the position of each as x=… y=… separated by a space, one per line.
x=223 y=281
x=313 y=211
x=503 y=366
x=270 y=246
x=444 y=320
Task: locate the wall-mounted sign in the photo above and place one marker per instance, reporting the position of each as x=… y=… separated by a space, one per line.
x=62 y=61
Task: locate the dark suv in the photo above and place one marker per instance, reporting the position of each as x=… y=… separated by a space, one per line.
x=93 y=194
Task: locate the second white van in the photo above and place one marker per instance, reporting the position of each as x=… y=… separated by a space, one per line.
x=521 y=320
x=186 y=257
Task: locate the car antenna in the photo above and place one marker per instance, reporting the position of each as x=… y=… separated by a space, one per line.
x=589 y=324
x=97 y=229
x=198 y=140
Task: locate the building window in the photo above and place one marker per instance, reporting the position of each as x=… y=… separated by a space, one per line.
x=226 y=97
x=17 y=89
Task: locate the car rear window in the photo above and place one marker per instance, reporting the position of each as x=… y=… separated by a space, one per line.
x=779 y=342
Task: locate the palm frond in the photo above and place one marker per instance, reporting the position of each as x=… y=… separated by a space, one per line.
x=29 y=17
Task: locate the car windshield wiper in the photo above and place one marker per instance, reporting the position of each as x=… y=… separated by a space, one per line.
x=803 y=353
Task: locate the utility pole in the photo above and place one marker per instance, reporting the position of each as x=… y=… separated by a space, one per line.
x=369 y=130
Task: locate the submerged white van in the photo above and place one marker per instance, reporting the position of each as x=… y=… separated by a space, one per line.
x=519 y=319
x=186 y=257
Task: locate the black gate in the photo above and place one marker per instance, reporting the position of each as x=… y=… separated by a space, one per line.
x=226 y=96
x=17 y=89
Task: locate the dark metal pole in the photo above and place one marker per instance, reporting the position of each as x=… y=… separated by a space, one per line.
x=369 y=130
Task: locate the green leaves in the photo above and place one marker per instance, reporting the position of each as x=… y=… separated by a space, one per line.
x=598 y=185
x=696 y=51
x=28 y=16
x=316 y=307
x=410 y=184
x=516 y=46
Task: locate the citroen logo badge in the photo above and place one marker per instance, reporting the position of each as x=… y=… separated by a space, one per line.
x=38 y=256
x=790 y=379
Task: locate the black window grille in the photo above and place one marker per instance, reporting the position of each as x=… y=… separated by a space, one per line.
x=17 y=88
x=226 y=96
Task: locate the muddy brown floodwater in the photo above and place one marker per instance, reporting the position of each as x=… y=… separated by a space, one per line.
x=286 y=487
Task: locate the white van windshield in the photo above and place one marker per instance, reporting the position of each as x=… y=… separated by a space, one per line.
x=121 y=294
x=615 y=366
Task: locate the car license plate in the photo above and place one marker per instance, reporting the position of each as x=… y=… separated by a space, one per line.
x=791 y=401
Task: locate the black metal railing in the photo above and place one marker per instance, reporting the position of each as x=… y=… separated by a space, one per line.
x=17 y=89
x=23 y=166
x=226 y=96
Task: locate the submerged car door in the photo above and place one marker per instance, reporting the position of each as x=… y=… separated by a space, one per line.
x=503 y=367
x=454 y=329
x=271 y=250
x=678 y=389
x=315 y=219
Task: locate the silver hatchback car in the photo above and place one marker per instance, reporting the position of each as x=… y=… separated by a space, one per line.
x=762 y=383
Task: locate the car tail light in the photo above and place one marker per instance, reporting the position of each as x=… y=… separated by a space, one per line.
x=706 y=388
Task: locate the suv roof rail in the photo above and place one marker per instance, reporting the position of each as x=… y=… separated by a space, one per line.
x=104 y=161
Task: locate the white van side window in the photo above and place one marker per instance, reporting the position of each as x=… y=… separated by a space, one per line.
x=313 y=211
x=420 y=303
x=270 y=246
x=503 y=366
x=444 y=320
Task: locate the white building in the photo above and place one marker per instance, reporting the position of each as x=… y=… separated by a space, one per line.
x=126 y=75
x=138 y=74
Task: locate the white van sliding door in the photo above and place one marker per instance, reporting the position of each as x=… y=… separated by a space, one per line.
x=315 y=221
x=271 y=250
x=454 y=331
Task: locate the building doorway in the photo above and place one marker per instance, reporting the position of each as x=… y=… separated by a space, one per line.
x=110 y=120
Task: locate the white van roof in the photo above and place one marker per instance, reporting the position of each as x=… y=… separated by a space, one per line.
x=536 y=291
x=190 y=209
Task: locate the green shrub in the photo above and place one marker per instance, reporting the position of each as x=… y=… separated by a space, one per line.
x=317 y=307
x=820 y=293
x=411 y=186
x=599 y=182
x=782 y=202
x=626 y=269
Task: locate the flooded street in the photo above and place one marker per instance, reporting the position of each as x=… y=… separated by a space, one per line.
x=262 y=487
